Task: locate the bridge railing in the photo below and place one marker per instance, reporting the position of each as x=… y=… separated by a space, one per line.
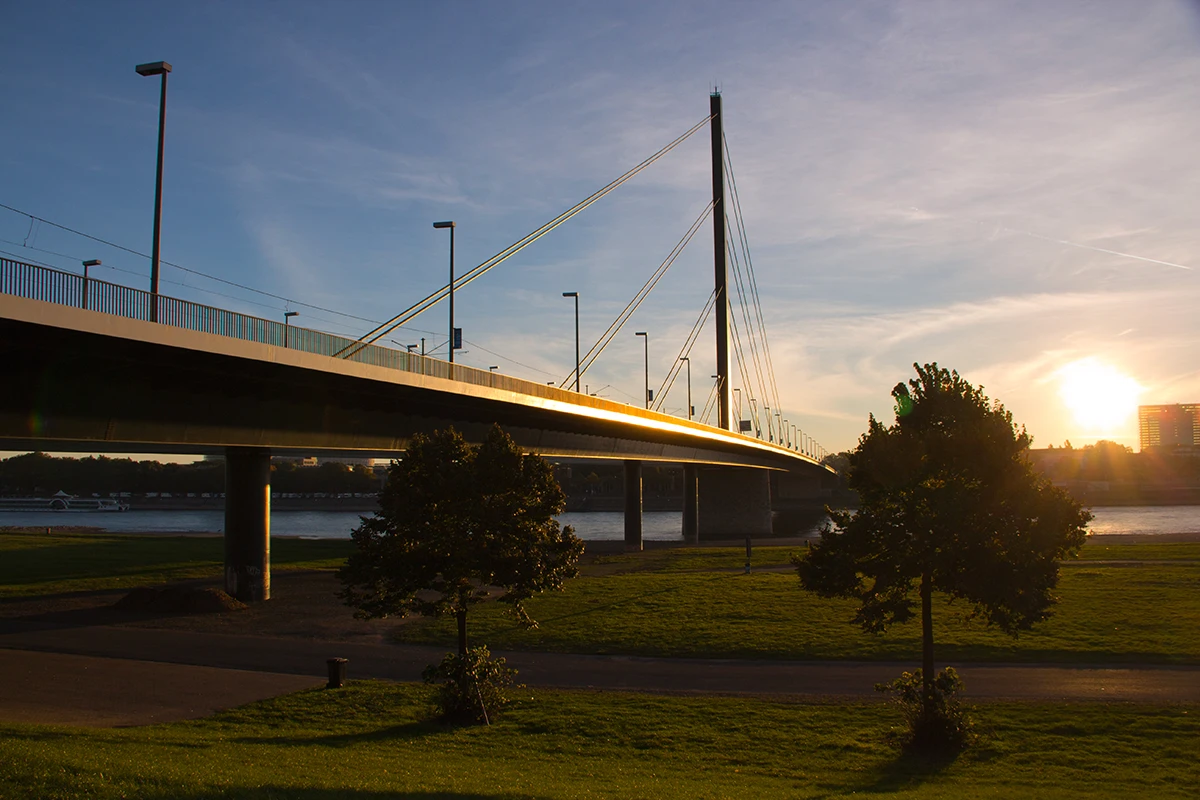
x=70 y=289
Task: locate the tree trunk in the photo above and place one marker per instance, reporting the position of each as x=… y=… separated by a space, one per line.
x=462 y=631
x=927 y=644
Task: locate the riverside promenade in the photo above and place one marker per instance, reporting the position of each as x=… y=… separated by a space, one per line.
x=114 y=676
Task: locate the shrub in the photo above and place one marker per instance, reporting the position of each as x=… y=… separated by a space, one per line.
x=941 y=726
x=470 y=687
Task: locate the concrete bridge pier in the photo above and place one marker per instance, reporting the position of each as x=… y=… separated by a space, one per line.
x=248 y=523
x=735 y=502
x=691 y=509
x=633 y=506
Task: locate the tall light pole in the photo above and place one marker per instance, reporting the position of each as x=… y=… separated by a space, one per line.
x=646 y=340
x=91 y=262
x=450 y=224
x=576 y=296
x=287 y=326
x=689 y=371
x=146 y=71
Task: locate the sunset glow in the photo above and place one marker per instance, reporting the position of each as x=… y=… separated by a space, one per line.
x=1099 y=396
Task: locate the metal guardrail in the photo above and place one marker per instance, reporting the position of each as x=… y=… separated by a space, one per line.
x=69 y=289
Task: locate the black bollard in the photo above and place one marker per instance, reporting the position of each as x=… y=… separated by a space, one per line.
x=337 y=673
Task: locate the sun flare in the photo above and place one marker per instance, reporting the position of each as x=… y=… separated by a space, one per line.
x=1100 y=396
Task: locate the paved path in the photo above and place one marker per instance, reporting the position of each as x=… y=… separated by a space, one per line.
x=113 y=675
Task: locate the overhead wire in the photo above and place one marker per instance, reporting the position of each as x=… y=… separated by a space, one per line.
x=182 y=268
x=423 y=305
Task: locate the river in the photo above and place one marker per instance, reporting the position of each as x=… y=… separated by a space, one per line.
x=662 y=526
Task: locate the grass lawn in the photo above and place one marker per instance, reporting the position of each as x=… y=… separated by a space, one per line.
x=698 y=603
x=372 y=741
x=33 y=563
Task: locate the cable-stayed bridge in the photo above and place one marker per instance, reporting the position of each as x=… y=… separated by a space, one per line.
x=91 y=365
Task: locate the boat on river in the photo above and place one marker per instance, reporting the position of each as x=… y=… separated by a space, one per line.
x=61 y=501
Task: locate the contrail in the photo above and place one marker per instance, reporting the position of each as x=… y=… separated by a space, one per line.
x=1077 y=244
x=1098 y=249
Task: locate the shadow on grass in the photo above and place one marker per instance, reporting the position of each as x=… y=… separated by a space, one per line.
x=407 y=731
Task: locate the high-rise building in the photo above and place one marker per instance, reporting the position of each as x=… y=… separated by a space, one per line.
x=1169 y=427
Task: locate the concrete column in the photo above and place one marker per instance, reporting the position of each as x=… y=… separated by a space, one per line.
x=735 y=502
x=248 y=523
x=691 y=527
x=633 y=505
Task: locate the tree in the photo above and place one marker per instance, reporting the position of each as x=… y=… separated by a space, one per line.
x=454 y=520
x=948 y=502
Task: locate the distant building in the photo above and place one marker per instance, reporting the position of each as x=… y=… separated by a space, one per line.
x=1169 y=427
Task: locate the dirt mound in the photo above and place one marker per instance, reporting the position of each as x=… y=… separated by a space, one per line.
x=179 y=599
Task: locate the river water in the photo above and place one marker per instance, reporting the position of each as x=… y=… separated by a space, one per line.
x=663 y=526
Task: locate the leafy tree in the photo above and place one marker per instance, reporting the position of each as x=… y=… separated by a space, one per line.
x=948 y=503
x=455 y=521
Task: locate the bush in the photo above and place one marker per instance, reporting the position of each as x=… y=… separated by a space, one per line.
x=946 y=728
x=471 y=686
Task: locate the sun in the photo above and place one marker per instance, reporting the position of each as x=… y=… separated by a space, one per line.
x=1100 y=396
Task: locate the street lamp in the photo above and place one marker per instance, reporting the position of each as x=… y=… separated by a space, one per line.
x=689 y=373
x=146 y=71
x=646 y=340
x=91 y=262
x=287 y=320
x=450 y=224
x=576 y=296
x=770 y=432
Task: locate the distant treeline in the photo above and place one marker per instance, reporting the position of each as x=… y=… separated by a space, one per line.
x=40 y=475
x=1110 y=473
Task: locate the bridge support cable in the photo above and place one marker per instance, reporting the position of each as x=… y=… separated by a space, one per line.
x=710 y=403
x=741 y=364
x=613 y=329
x=684 y=351
x=423 y=305
x=763 y=384
x=744 y=241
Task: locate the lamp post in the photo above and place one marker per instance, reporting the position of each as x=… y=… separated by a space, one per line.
x=737 y=404
x=91 y=262
x=646 y=340
x=576 y=296
x=147 y=70
x=770 y=431
x=689 y=373
x=287 y=326
x=450 y=224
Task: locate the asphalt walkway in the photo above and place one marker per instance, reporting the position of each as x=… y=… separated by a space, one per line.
x=113 y=675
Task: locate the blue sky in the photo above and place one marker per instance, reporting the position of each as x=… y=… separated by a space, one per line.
x=928 y=181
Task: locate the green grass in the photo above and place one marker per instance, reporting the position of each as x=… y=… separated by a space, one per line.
x=699 y=604
x=373 y=741
x=696 y=602
x=34 y=563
